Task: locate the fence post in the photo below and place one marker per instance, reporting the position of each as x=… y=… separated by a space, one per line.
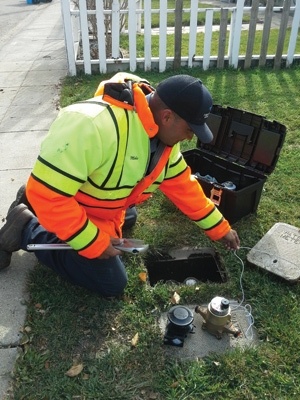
x=266 y=33
x=207 y=38
x=282 y=33
x=69 y=39
x=115 y=29
x=193 y=32
x=85 y=37
x=178 y=34
x=236 y=34
x=132 y=21
x=222 y=37
x=163 y=36
x=147 y=35
x=251 y=34
x=294 y=35
x=139 y=5
x=101 y=36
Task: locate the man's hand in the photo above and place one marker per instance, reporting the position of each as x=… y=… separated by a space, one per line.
x=231 y=240
x=110 y=251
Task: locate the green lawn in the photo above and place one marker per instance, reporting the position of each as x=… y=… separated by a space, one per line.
x=155 y=5
x=272 y=46
x=66 y=325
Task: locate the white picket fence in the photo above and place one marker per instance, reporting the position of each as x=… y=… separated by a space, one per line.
x=79 y=40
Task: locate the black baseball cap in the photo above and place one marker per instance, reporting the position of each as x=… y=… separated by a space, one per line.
x=190 y=99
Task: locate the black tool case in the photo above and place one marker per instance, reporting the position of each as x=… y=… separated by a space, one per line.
x=233 y=168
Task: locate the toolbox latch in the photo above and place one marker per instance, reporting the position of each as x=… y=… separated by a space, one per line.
x=215 y=195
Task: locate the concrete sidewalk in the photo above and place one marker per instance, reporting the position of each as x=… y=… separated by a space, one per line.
x=32 y=62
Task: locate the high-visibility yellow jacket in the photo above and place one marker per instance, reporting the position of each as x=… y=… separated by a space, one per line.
x=93 y=165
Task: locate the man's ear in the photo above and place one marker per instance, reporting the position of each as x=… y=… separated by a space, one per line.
x=166 y=116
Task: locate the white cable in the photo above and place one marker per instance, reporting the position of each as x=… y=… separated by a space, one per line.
x=247 y=308
x=241 y=277
x=249 y=315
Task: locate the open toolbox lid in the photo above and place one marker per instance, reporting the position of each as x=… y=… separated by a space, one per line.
x=244 y=138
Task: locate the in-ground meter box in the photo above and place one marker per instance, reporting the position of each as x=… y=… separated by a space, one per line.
x=177 y=265
x=233 y=168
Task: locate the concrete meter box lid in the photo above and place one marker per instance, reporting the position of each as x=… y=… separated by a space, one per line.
x=233 y=168
x=278 y=252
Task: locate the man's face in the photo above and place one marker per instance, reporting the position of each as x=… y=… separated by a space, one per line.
x=173 y=129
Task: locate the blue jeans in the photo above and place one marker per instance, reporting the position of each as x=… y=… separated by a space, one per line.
x=105 y=277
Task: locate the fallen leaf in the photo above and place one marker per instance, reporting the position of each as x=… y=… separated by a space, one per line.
x=174 y=384
x=143 y=276
x=135 y=340
x=127 y=299
x=47 y=365
x=74 y=371
x=24 y=339
x=175 y=299
x=39 y=308
x=27 y=329
x=26 y=348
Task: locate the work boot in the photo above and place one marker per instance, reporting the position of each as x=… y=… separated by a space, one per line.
x=11 y=232
x=20 y=198
x=5 y=259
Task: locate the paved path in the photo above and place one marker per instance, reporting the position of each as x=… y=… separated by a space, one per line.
x=32 y=62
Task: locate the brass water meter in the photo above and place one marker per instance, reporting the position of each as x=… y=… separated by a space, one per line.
x=217 y=317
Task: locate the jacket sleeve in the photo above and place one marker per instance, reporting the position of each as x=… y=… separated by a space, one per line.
x=65 y=161
x=183 y=189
